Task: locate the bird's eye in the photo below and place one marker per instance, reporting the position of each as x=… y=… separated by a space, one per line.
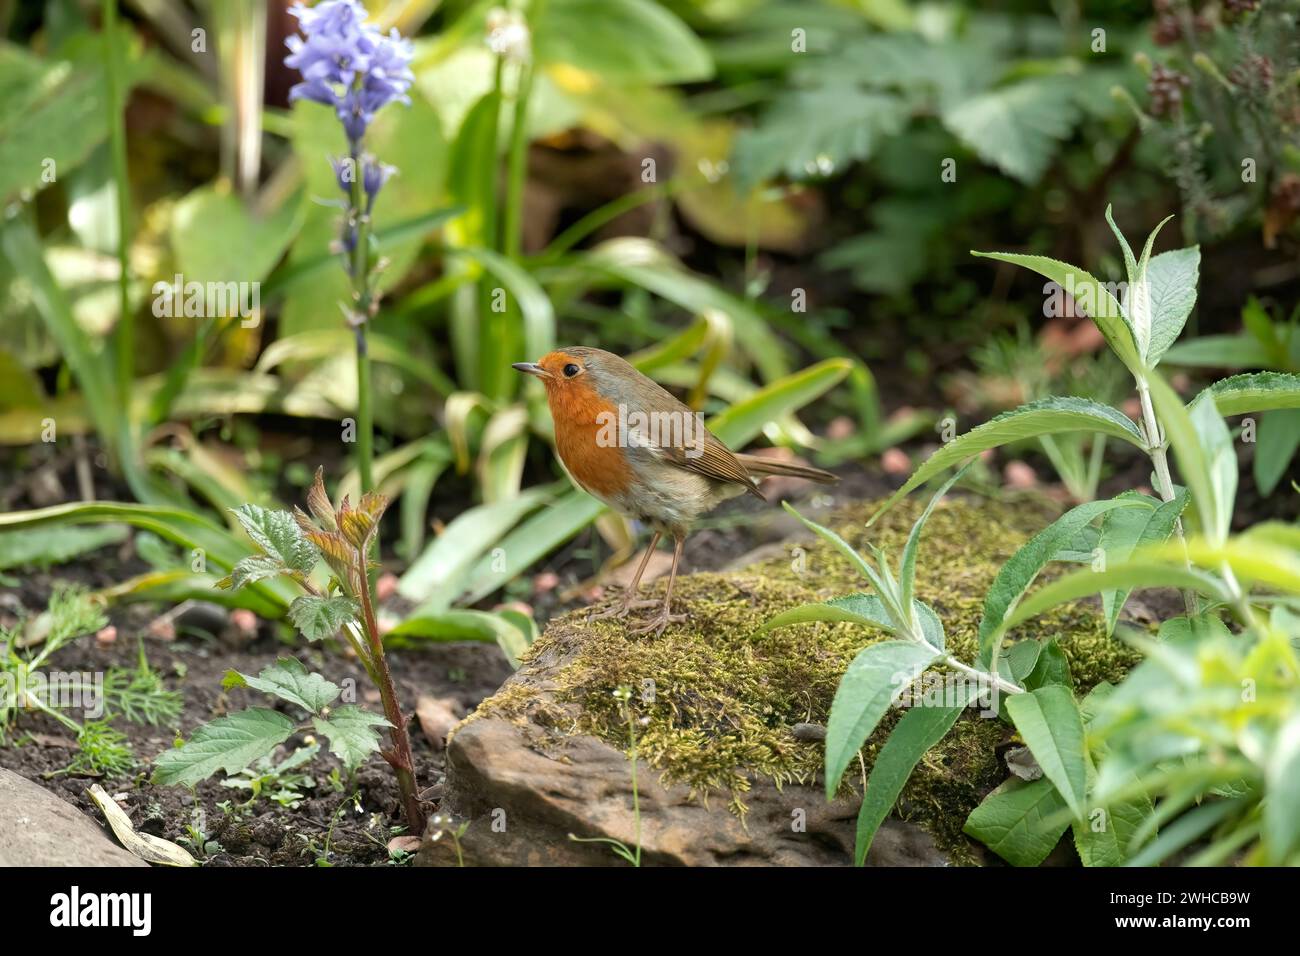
x=571 y=370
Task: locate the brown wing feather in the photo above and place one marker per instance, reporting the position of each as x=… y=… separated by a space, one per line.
x=715 y=460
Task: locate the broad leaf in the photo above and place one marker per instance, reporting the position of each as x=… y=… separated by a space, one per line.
x=873 y=680
x=256 y=567
x=289 y=680
x=1048 y=720
x=1171 y=284
x=1014 y=821
x=1091 y=296
x=227 y=743
x=1105 y=836
x=1018 y=127
x=1015 y=577
x=279 y=536
x=512 y=635
x=624 y=41
x=861 y=608
x=1048 y=416
x=351 y=733
x=322 y=617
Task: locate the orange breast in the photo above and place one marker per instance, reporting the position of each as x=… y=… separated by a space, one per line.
x=582 y=439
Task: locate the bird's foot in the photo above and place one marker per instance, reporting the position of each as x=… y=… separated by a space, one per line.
x=620 y=609
x=659 y=622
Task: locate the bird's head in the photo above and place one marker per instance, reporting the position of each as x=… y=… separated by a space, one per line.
x=580 y=371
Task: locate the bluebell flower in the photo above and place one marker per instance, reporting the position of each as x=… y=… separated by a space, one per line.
x=348 y=65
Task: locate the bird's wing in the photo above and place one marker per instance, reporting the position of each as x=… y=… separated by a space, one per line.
x=702 y=453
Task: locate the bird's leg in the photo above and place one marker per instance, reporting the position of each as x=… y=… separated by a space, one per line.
x=665 y=616
x=623 y=607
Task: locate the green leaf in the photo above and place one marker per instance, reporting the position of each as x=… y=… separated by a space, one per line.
x=1048 y=416
x=1276 y=441
x=1281 y=820
x=1220 y=351
x=437 y=572
x=511 y=635
x=1171 y=285
x=257 y=567
x=743 y=421
x=621 y=41
x=289 y=680
x=1138 y=311
x=1253 y=392
x=907 y=567
x=1015 y=577
x=919 y=730
x=1140 y=572
x=1051 y=667
x=1016 y=128
x=1124 y=530
x=1013 y=821
x=279 y=537
x=1091 y=296
x=351 y=732
x=227 y=743
x=51 y=546
x=321 y=617
x=812 y=132
x=217 y=238
x=1105 y=836
x=1186 y=829
x=1207 y=460
x=867 y=609
x=1048 y=720
x=878 y=674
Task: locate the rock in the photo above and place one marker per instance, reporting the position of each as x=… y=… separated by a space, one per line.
x=437 y=715
x=39 y=829
x=724 y=714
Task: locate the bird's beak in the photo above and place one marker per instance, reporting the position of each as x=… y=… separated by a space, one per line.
x=531 y=368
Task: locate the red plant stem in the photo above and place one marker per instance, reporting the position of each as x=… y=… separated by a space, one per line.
x=400 y=758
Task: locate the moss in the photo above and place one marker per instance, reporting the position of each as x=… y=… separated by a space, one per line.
x=725 y=696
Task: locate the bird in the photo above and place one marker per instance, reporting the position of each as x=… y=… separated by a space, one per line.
x=625 y=440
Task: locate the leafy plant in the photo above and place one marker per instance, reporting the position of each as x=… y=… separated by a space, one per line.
x=1265 y=342
x=140 y=695
x=291 y=545
x=1115 y=798
x=281 y=782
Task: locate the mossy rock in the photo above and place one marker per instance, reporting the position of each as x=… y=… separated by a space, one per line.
x=715 y=703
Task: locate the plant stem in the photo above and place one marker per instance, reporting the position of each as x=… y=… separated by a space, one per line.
x=517 y=167
x=1164 y=480
x=400 y=757
x=359 y=269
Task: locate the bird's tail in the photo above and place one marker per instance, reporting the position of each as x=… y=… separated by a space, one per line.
x=759 y=465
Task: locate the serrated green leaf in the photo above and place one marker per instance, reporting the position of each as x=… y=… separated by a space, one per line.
x=1047 y=416
x=1048 y=720
x=1013 y=821
x=1015 y=577
x=1018 y=127
x=878 y=674
x=279 y=536
x=1253 y=392
x=227 y=743
x=351 y=733
x=1171 y=284
x=321 y=617
x=256 y=567
x=1091 y=296
x=290 y=680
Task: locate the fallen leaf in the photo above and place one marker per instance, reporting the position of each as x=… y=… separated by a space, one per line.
x=437 y=715
x=147 y=847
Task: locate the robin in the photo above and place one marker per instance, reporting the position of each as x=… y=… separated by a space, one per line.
x=628 y=442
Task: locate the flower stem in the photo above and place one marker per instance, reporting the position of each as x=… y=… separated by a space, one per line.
x=400 y=756
x=359 y=268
